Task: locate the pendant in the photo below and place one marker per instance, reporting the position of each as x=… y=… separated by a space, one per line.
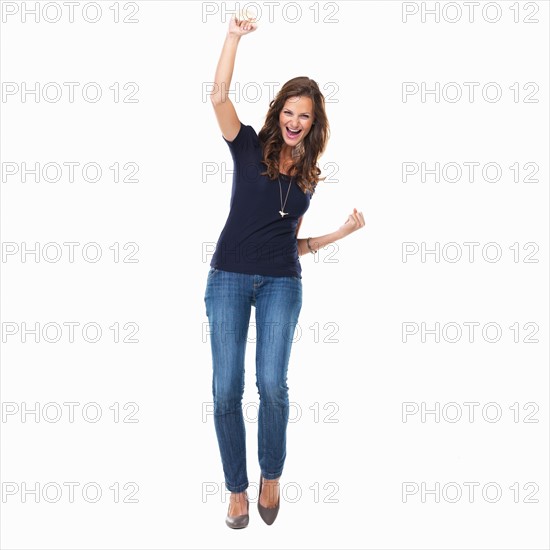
x=283 y=214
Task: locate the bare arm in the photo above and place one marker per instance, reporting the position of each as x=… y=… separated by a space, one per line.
x=226 y=115
x=318 y=242
x=355 y=221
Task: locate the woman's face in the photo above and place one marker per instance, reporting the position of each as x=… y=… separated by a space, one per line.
x=297 y=114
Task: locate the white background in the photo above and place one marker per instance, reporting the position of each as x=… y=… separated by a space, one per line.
x=358 y=292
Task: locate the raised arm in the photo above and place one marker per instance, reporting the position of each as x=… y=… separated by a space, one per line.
x=228 y=120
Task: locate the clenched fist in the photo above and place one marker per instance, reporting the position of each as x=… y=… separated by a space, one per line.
x=354 y=222
x=240 y=27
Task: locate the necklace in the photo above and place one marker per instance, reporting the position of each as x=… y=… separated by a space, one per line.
x=281 y=211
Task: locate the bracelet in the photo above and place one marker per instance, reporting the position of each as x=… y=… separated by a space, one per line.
x=310 y=249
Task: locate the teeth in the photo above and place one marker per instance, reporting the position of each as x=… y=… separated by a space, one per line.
x=294 y=130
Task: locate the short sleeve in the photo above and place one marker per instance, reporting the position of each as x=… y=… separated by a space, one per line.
x=245 y=138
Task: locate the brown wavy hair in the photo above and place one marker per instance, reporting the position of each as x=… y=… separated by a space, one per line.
x=304 y=168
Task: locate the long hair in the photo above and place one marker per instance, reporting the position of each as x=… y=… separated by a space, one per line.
x=304 y=168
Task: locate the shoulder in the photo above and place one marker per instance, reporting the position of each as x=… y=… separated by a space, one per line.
x=245 y=137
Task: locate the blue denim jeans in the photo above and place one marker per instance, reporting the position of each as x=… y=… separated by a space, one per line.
x=229 y=298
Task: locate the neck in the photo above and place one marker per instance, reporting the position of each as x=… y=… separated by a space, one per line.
x=288 y=155
x=288 y=152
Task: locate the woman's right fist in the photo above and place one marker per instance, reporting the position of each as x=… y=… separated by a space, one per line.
x=240 y=27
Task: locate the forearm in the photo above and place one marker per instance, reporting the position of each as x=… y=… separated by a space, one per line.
x=224 y=70
x=318 y=242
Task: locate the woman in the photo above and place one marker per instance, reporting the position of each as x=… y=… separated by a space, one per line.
x=256 y=264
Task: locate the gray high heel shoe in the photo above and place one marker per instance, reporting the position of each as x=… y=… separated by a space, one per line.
x=267 y=514
x=237 y=522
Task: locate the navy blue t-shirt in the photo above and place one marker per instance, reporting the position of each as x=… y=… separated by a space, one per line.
x=255 y=238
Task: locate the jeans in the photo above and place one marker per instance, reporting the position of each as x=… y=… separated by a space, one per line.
x=278 y=301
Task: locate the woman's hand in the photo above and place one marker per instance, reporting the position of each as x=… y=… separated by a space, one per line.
x=240 y=27
x=354 y=222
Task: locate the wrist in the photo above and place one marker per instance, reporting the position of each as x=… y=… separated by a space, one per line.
x=233 y=36
x=339 y=234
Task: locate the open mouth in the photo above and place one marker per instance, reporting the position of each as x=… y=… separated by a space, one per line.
x=292 y=134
